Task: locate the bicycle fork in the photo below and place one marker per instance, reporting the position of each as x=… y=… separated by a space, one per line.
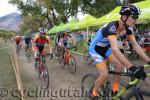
x=40 y=65
x=138 y=94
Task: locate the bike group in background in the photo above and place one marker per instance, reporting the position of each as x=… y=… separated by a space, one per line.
x=114 y=42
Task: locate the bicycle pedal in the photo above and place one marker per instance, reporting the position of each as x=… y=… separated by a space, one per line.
x=94 y=97
x=113 y=94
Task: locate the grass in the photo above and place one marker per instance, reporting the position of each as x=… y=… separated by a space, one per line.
x=7 y=79
x=81 y=47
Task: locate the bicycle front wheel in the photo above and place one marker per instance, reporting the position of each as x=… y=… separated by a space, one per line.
x=131 y=95
x=45 y=77
x=55 y=53
x=28 y=54
x=72 y=65
x=85 y=54
x=17 y=49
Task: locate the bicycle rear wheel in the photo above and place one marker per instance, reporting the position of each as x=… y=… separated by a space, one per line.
x=17 y=49
x=55 y=53
x=28 y=54
x=72 y=65
x=45 y=77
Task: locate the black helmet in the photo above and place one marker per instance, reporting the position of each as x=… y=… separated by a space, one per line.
x=130 y=9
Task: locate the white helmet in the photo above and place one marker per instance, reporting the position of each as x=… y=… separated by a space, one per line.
x=42 y=30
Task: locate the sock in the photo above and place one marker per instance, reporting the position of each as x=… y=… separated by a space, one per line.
x=94 y=93
x=115 y=87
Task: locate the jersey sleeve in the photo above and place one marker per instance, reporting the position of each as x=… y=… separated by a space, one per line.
x=110 y=29
x=130 y=31
x=48 y=39
x=36 y=37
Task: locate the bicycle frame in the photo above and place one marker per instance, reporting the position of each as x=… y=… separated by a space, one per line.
x=137 y=92
x=67 y=54
x=132 y=83
x=18 y=48
x=41 y=61
x=43 y=70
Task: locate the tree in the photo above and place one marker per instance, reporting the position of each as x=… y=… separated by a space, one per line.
x=53 y=12
x=31 y=23
x=33 y=8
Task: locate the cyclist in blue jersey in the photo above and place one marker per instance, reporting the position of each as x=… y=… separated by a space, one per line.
x=104 y=46
x=27 y=40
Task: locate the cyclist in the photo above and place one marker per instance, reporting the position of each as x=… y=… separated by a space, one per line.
x=104 y=46
x=57 y=38
x=18 y=40
x=65 y=42
x=27 y=40
x=66 y=38
x=39 y=42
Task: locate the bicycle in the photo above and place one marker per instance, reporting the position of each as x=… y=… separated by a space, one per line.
x=42 y=70
x=56 y=52
x=126 y=92
x=87 y=58
x=18 y=48
x=28 y=52
x=68 y=59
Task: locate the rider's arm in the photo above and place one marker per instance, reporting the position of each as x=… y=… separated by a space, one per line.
x=34 y=43
x=137 y=48
x=114 y=45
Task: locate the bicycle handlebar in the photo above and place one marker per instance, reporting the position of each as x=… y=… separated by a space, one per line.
x=121 y=73
x=133 y=79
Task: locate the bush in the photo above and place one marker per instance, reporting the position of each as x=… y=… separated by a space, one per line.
x=5 y=34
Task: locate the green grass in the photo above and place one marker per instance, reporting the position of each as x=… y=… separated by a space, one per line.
x=7 y=79
x=81 y=47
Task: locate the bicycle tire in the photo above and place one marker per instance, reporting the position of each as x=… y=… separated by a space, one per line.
x=45 y=77
x=85 y=54
x=61 y=54
x=55 y=53
x=51 y=56
x=28 y=56
x=87 y=83
x=130 y=95
x=17 y=49
x=72 y=65
x=87 y=58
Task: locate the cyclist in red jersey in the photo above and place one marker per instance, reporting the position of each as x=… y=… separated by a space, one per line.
x=39 y=42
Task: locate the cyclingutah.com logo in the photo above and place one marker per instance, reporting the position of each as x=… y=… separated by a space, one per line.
x=40 y=92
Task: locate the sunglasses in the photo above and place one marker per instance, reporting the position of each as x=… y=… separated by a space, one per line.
x=135 y=16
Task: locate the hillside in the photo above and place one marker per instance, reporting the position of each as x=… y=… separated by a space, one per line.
x=10 y=22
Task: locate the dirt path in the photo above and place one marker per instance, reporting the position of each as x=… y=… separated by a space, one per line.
x=63 y=85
